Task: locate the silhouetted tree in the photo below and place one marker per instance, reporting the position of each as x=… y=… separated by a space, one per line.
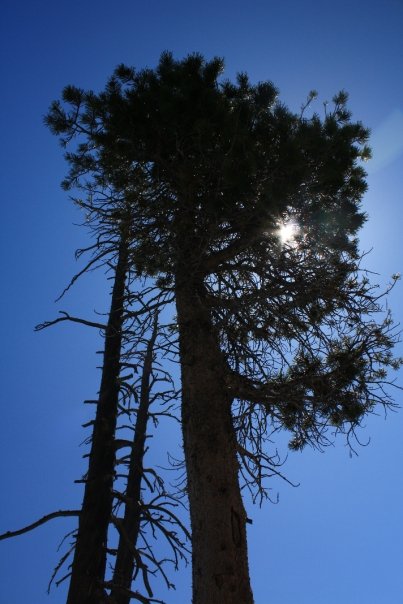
x=272 y=334
x=155 y=515
x=132 y=342
x=132 y=323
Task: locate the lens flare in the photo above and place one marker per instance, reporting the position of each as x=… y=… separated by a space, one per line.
x=287 y=232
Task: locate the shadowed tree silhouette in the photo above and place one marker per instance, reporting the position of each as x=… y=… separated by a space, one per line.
x=148 y=507
x=272 y=333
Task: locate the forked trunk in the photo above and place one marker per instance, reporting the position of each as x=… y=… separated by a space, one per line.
x=219 y=548
x=88 y=568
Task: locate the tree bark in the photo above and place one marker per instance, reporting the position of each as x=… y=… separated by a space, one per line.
x=218 y=519
x=125 y=560
x=89 y=563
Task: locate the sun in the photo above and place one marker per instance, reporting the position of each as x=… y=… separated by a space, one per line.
x=287 y=231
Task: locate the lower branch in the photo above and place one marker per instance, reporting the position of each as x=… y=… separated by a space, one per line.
x=42 y=520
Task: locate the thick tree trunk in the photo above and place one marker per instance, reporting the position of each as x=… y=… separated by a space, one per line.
x=130 y=527
x=88 y=568
x=218 y=519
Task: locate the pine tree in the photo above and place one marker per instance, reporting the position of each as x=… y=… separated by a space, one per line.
x=274 y=333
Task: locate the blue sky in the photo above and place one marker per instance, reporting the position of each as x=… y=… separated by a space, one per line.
x=338 y=537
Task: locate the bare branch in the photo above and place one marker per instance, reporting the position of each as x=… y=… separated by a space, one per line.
x=67 y=317
x=34 y=525
x=86 y=268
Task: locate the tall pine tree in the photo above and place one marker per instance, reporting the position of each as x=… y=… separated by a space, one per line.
x=273 y=333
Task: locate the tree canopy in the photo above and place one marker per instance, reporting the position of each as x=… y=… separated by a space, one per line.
x=217 y=168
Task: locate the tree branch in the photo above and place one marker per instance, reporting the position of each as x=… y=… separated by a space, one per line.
x=213 y=261
x=67 y=317
x=34 y=525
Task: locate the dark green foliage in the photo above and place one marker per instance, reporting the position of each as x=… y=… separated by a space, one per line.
x=211 y=168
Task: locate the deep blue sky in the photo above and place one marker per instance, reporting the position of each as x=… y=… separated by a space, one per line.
x=338 y=537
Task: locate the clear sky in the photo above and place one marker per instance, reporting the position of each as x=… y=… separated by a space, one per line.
x=337 y=539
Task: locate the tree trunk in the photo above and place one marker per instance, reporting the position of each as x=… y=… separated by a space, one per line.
x=89 y=563
x=130 y=527
x=218 y=519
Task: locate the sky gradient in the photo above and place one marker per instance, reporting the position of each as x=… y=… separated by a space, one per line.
x=338 y=537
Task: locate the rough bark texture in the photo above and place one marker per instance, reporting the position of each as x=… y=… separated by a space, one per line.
x=219 y=549
x=88 y=569
x=130 y=526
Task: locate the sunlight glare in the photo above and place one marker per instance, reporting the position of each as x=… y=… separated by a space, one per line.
x=287 y=232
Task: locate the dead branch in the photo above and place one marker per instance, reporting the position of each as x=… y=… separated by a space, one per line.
x=67 y=317
x=43 y=520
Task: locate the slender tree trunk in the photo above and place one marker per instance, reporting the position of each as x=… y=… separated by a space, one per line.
x=130 y=527
x=89 y=563
x=219 y=548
